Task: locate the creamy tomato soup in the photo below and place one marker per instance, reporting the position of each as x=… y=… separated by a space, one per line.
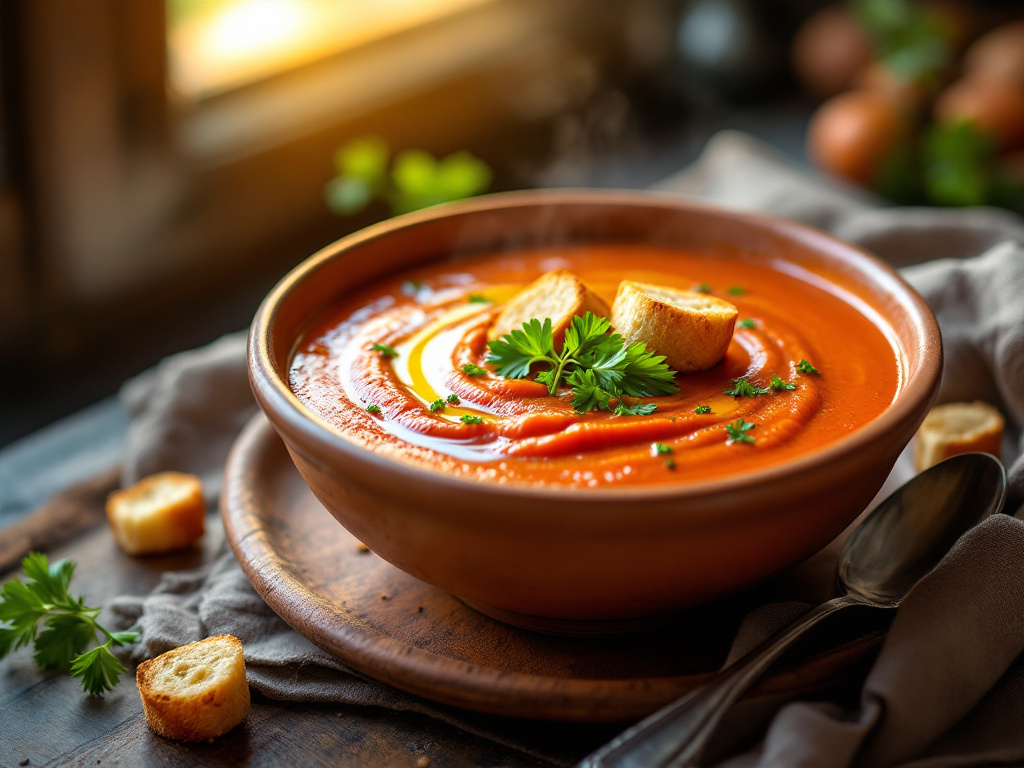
x=402 y=344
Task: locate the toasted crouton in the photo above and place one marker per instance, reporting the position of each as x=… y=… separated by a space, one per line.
x=955 y=428
x=692 y=330
x=559 y=295
x=195 y=692
x=161 y=513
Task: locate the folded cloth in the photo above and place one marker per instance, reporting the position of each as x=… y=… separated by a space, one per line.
x=948 y=685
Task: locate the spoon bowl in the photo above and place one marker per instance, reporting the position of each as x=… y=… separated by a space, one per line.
x=896 y=545
x=909 y=532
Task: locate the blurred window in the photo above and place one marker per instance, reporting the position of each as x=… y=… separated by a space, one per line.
x=216 y=45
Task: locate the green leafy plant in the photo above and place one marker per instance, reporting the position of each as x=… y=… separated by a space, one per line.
x=909 y=38
x=69 y=624
x=414 y=179
x=596 y=363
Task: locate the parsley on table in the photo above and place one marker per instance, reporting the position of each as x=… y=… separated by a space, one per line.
x=742 y=387
x=749 y=323
x=372 y=408
x=385 y=350
x=779 y=385
x=453 y=399
x=702 y=409
x=473 y=370
x=596 y=363
x=468 y=419
x=738 y=431
x=437 y=405
x=805 y=367
x=70 y=625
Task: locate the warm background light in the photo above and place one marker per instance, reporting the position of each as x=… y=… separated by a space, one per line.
x=221 y=44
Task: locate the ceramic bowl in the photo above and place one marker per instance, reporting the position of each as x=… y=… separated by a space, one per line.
x=559 y=559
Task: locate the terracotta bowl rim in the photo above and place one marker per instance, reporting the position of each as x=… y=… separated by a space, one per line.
x=290 y=417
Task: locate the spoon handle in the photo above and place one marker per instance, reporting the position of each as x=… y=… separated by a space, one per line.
x=677 y=734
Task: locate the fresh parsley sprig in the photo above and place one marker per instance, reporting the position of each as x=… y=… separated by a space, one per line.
x=595 y=362
x=69 y=624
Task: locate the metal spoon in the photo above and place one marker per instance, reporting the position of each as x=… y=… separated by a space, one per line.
x=895 y=545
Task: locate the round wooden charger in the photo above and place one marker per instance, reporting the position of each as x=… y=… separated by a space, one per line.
x=404 y=632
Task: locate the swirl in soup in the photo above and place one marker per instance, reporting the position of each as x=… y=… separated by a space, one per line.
x=401 y=368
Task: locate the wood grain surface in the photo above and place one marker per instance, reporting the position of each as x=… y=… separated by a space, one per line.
x=409 y=634
x=46 y=719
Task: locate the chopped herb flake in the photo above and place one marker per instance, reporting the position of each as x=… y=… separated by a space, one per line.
x=670 y=463
x=453 y=399
x=702 y=409
x=477 y=298
x=411 y=287
x=738 y=431
x=805 y=367
x=779 y=385
x=737 y=290
x=373 y=408
x=657 y=449
x=385 y=350
x=748 y=322
x=437 y=405
x=702 y=288
x=640 y=409
x=468 y=419
x=741 y=387
x=473 y=370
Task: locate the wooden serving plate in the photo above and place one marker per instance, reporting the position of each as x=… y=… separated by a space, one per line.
x=406 y=633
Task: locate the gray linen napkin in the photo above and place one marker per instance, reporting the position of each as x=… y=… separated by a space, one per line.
x=917 y=708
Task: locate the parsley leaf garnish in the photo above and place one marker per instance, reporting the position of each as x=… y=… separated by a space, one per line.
x=596 y=363
x=702 y=288
x=385 y=350
x=469 y=419
x=437 y=405
x=737 y=290
x=69 y=624
x=372 y=408
x=640 y=409
x=453 y=399
x=748 y=322
x=805 y=367
x=741 y=387
x=478 y=298
x=778 y=384
x=702 y=409
x=658 y=449
x=473 y=370
x=670 y=463
x=738 y=431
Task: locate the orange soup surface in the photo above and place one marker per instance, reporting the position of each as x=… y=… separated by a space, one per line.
x=401 y=345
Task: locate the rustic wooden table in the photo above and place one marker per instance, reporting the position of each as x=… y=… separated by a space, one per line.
x=45 y=719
